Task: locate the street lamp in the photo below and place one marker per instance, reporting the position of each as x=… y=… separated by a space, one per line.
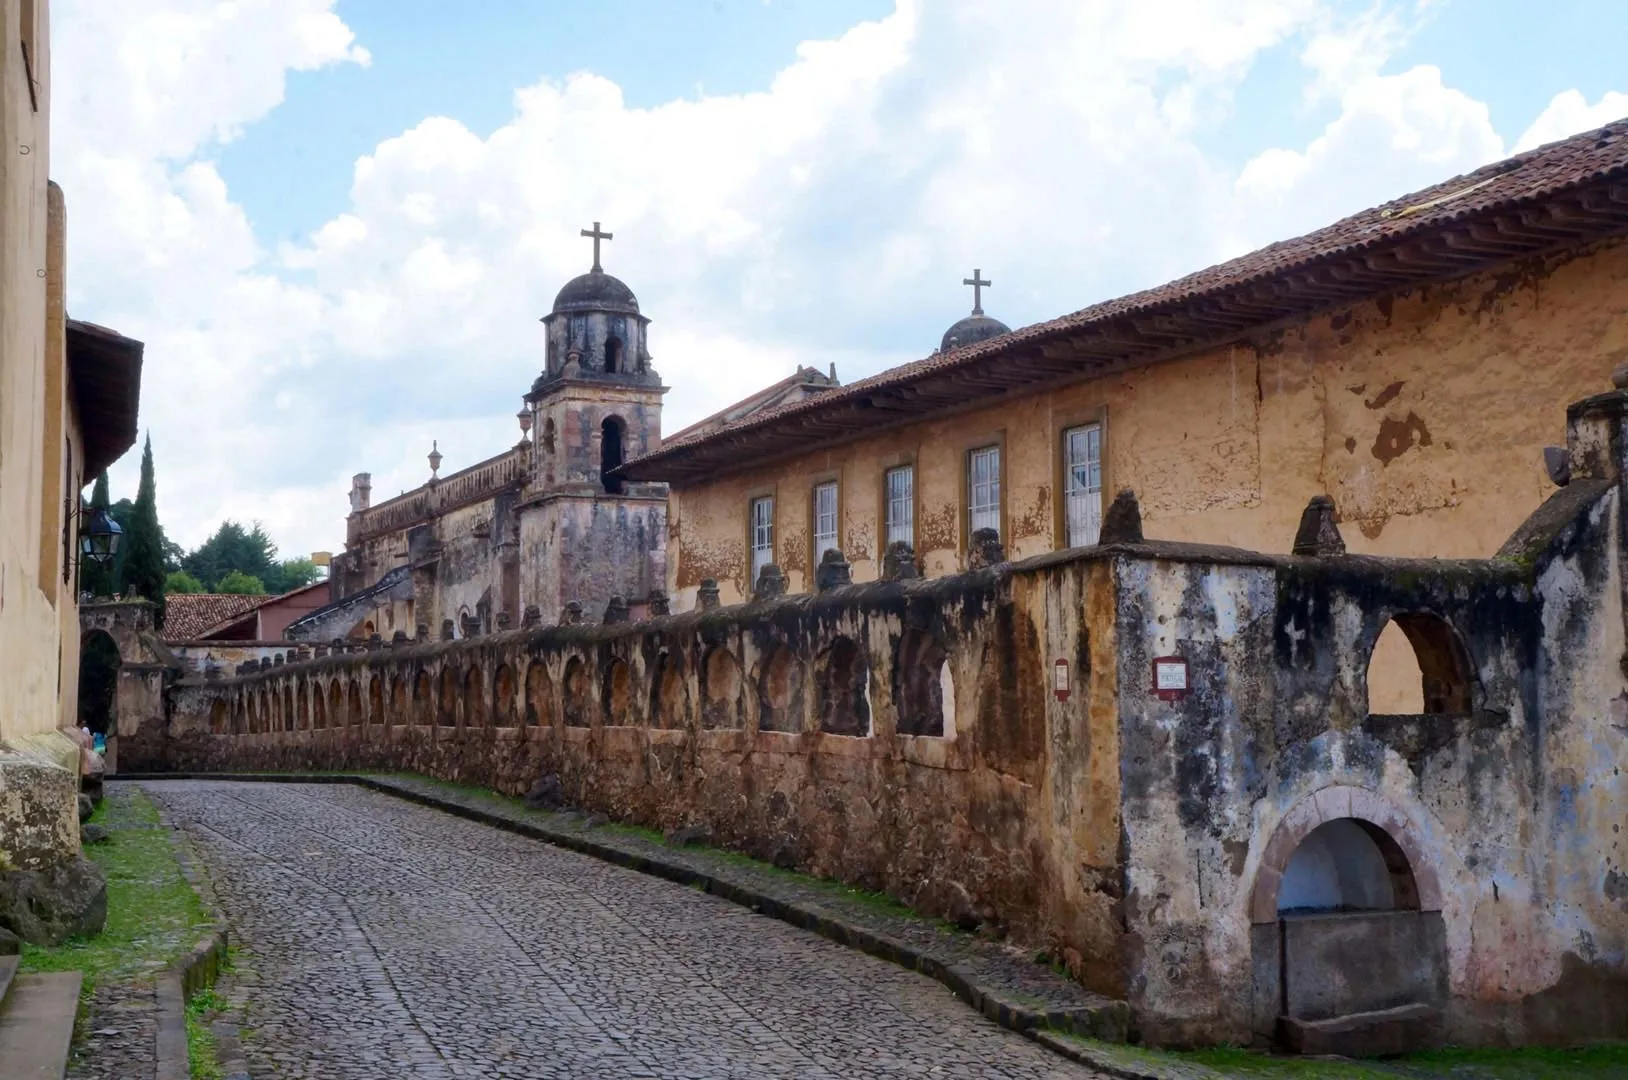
x=99 y=535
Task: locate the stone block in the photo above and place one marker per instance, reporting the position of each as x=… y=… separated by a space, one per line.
x=707 y=594
x=833 y=571
x=1384 y=1033
x=39 y=805
x=1333 y=803
x=1319 y=535
x=47 y=907
x=1340 y=963
x=899 y=562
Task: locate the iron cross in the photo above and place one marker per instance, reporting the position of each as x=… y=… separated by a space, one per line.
x=976 y=281
x=598 y=236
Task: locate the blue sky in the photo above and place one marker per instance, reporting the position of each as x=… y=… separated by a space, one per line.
x=336 y=222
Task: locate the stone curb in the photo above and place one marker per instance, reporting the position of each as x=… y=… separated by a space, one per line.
x=1003 y=1011
x=198 y=971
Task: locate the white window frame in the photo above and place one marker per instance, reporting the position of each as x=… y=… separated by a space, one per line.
x=984 y=489
x=761 y=524
x=901 y=504
x=824 y=512
x=1082 y=484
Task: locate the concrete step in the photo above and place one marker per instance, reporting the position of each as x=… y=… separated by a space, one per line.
x=36 y=1025
x=8 y=968
x=1384 y=1033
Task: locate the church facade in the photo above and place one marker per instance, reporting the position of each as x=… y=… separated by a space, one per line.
x=547 y=529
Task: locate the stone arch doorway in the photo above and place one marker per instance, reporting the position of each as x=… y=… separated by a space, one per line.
x=99 y=663
x=1349 y=950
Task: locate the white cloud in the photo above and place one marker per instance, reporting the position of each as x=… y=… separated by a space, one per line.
x=1056 y=144
x=1570 y=113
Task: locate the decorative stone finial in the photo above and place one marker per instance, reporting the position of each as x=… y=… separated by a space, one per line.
x=338 y=646
x=422 y=632
x=1318 y=533
x=532 y=617
x=984 y=549
x=899 y=562
x=616 y=611
x=1557 y=460
x=833 y=571
x=211 y=672
x=321 y=651
x=657 y=604
x=399 y=639
x=277 y=660
x=375 y=641
x=435 y=459
x=469 y=625
x=770 y=583
x=707 y=594
x=1619 y=376
x=1122 y=524
x=572 y=615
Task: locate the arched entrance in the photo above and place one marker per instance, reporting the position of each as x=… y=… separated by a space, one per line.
x=1349 y=948
x=99 y=663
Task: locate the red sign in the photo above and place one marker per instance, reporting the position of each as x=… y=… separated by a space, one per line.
x=1059 y=679
x=1169 y=678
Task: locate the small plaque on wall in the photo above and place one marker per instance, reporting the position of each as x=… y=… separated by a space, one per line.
x=1059 y=679
x=1170 y=677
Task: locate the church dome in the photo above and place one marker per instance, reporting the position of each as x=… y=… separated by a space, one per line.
x=596 y=291
x=971 y=330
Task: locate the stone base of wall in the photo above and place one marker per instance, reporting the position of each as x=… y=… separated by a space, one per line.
x=39 y=801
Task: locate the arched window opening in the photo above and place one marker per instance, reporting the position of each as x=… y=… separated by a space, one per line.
x=1347 y=865
x=503 y=697
x=1419 y=666
x=539 y=695
x=844 y=680
x=613 y=355
x=447 y=716
x=669 y=706
x=611 y=452
x=618 y=695
x=722 y=691
x=779 y=693
x=474 y=699
x=577 y=704
x=921 y=677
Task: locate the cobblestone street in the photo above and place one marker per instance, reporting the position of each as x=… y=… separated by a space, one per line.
x=388 y=940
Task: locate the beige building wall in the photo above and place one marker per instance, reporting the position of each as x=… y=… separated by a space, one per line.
x=37 y=616
x=1424 y=415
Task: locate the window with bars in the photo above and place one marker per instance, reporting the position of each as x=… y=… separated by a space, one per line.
x=1082 y=484
x=984 y=489
x=901 y=505
x=762 y=535
x=825 y=519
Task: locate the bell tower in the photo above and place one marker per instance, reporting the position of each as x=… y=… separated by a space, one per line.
x=586 y=535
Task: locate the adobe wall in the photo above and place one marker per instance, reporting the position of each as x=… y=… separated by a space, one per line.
x=1423 y=414
x=899 y=736
x=1506 y=801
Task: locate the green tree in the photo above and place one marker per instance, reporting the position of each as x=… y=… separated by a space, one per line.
x=144 y=565
x=237 y=582
x=292 y=574
x=179 y=581
x=232 y=547
x=94 y=577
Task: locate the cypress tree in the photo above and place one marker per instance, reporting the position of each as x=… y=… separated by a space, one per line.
x=144 y=567
x=94 y=577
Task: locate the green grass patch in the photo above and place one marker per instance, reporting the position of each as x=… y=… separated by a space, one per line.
x=153 y=916
x=202 y=1060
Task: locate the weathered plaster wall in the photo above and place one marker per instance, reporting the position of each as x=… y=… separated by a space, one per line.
x=1423 y=414
x=1507 y=806
x=588 y=548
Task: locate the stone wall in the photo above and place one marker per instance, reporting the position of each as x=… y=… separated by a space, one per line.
x=779 y=726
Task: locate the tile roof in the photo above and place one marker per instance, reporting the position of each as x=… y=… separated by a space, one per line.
x=188 y=616
x=1568 y=192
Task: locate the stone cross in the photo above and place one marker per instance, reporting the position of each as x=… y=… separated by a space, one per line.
x=598 y=236
x=977 y=281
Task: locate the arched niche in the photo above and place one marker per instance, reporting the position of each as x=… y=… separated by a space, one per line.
x=779 y=691
x=669 y=703
x=618 y=694
x=922 y=686
x=446 y=714
x=612 y=452
x=503 y=691
x=844 y=683
x=721 y=689
x=336 y=704
x=353 y=705
x=1419 y=665
x=539 y=695
x=423 y=699
x=577 y=697
x=474 y=698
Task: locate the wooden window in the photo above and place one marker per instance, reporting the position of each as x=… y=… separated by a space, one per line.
x=762 y=535
x=900 y=487
x=1082 y=484
x=825 y=519
x=984 y=489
